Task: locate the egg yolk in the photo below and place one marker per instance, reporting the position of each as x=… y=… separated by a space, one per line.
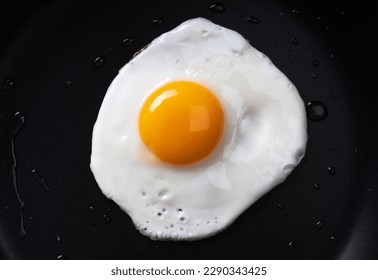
x=181 y=122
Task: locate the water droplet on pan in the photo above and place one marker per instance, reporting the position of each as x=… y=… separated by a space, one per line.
x=99 y=61
x=158 y=21
x=295 y=41
x=316 y=63
x=291 y=246
x=8 y=84
x=217 y=7
x=106 y=219
x=253 y=20
x=319 y=224
x=332 y=170
x=316 y=111
x=59 y=239
x=295 y=13
x=127 y=42
x=62 y=257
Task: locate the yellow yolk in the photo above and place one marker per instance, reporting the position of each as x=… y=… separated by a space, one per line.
x=181 y=122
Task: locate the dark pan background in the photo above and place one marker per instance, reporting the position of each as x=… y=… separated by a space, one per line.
x=48 y=50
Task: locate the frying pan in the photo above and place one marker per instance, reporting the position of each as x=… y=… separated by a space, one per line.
x=57 y=60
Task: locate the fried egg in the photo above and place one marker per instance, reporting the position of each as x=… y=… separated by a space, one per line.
x=193 y=130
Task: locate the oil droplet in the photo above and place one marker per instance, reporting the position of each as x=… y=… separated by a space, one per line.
x=332 y=56
x=106 y=219
x=217 y=7
x=281 y=206
x=40 y=179
x=59 y=239
x=91 y=209
x=295 y=13
x=99 y=61
x=253 y=20
x=317 y=187
x=316 y=63
x=291 y=246
x=319 y=224
x=295 y=41
x=332 y=171
x=157 y=21
x=316 y=111
x=128 y=41
x=332 y=95
x=8 y=84
x=315 y=76
x=333 y=239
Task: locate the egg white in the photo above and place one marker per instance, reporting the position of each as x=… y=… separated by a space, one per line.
x=264 y=139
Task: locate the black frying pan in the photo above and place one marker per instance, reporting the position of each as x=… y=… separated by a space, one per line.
x=51 y=78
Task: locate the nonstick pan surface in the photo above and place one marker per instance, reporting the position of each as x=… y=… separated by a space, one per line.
x=57 y=60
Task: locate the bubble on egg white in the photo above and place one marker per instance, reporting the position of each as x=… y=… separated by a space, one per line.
x=288 y=168
x=163 y=194
x=204 y=32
